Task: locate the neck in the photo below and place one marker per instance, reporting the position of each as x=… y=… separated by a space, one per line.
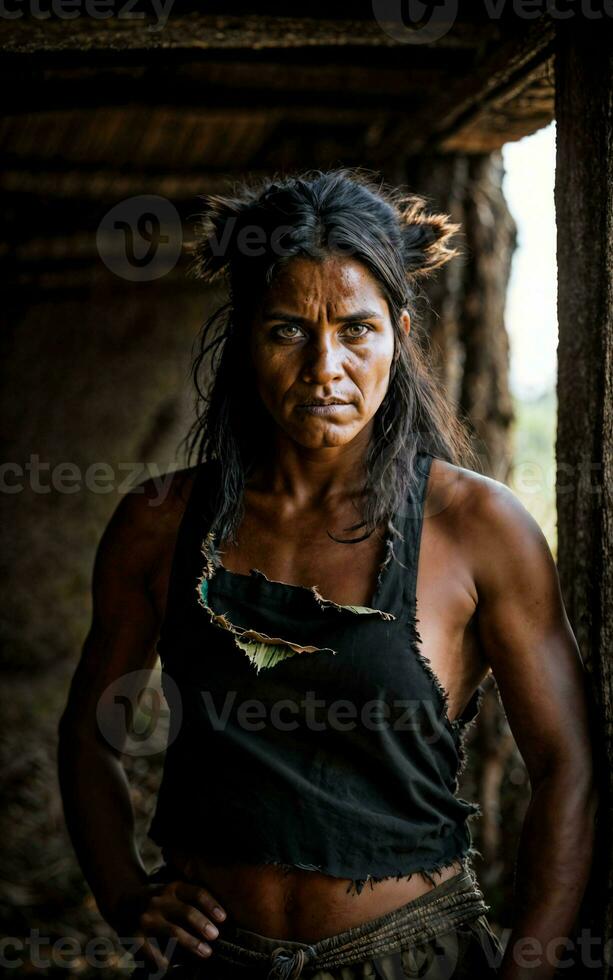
x=314 y=476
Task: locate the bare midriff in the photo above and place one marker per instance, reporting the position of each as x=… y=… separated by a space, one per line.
x=296 y=904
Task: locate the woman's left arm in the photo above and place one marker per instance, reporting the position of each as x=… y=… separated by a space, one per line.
x=528 y=641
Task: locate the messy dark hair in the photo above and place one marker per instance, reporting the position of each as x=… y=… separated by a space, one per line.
x=243 y=239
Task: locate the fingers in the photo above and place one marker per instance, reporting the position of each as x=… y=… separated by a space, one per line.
x=199 y=923
x=179 y=912
x=191 y=942
x=200 y=898
x=175 y=909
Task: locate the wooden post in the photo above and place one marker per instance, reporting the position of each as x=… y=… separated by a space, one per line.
x=466 y=320
x=584 y=207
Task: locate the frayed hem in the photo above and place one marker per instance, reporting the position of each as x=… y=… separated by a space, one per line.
x=357 y=885
x=462 y=728
x=458 y=727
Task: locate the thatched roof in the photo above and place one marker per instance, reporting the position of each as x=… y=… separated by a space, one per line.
x=103 y=109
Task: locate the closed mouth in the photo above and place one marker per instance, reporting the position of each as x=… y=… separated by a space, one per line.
x=329 y=410
x=322 y=404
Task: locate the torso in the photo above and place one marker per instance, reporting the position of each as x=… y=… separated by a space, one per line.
x=305 y=905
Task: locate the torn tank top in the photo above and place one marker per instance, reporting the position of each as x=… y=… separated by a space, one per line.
x=305 y=733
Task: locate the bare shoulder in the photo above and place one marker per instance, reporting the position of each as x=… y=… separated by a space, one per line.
x=162 y=497
x=146 y=518
x=498 y=534
x=474 y=497
x=467 y=492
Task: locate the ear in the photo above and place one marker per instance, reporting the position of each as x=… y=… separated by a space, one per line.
x=425 y=237
x=405 y=323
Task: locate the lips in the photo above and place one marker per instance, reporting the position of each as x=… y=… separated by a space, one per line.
x=323 y=408
x=322 y=402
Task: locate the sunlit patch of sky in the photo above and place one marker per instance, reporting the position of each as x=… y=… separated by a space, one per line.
x=531 y=313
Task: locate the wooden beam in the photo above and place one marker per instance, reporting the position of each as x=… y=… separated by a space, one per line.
x=473 y=76
x=501 y=72
x=150 y=140
x=509 y=115
x=346 y=79
x=584 y=209
x=111 y=185
x=214 y=32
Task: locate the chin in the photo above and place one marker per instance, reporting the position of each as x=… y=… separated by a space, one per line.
x=324 y=437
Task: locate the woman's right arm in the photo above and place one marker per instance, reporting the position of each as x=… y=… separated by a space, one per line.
x=94 y=787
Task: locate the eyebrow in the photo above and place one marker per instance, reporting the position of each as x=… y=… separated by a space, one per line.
x=295 y=318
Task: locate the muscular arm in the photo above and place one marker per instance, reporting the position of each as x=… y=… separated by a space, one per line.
x=95 y=790
x=121 y=639
x=528 y=641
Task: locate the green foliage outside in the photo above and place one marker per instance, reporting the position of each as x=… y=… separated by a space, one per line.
x=533 y=473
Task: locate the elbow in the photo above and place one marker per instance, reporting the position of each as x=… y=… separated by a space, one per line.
x=574 y=781
x=586 y=786
x=592 y=799
x=584 y=794
x=589 y=808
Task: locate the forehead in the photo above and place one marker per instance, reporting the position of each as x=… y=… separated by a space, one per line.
x=338 y=283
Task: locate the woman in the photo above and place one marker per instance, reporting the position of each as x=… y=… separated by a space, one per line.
x=318 y=734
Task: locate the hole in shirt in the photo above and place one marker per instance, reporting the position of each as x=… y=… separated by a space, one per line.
x=262 y=650
x=211 y=552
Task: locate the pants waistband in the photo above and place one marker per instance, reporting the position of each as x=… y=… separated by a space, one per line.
x=455 y=901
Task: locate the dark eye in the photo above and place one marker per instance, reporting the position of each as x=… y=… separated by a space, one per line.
x=363 y=329
x=284 y=332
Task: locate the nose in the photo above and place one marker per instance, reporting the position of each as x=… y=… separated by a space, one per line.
x=323 y=362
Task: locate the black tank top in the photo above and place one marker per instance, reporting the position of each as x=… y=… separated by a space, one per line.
x=305 y=733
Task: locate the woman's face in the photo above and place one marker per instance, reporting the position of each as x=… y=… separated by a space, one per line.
x=322 y=333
